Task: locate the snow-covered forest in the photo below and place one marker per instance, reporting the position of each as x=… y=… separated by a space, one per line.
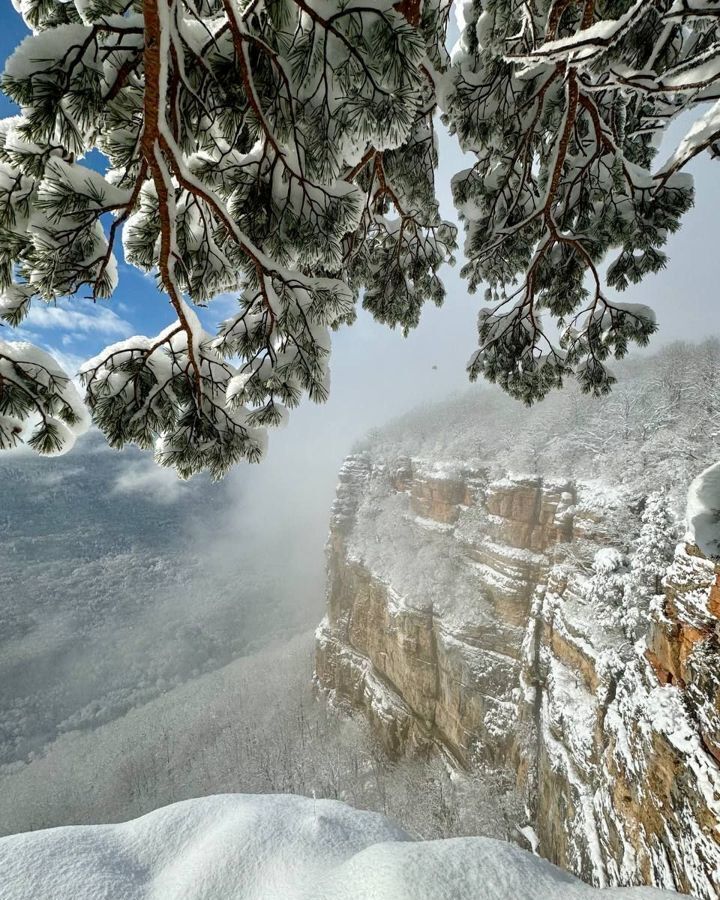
x=115 y=592
x=658 y=428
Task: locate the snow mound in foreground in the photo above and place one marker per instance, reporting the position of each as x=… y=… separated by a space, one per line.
x=247 y=847
x=703 y=511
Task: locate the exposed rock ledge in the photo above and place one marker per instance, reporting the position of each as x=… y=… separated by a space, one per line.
x=456 y=620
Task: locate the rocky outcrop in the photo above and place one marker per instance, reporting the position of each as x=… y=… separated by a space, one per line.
x=625 y=789
x=458 y=620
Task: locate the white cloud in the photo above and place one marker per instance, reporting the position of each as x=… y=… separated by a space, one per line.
x=91 y=319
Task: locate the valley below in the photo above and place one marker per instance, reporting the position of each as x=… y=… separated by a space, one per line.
x=145 y=659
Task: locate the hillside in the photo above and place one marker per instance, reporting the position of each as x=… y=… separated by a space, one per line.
x=125 y=584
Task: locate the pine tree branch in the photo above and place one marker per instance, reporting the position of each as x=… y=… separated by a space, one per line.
x=157 y=41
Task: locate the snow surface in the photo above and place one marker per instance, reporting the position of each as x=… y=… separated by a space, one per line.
x=703 y=511
x=247 y=847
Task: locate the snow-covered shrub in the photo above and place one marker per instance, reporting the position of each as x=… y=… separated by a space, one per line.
x=655 y=546
x=608 y=591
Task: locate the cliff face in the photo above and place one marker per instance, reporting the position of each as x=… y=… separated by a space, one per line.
x=458 y=619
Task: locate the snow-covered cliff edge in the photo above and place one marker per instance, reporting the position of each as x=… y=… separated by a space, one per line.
x=474 y=612
x=245 y=847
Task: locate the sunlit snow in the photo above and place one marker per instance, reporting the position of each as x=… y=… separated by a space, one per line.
x=245 y=847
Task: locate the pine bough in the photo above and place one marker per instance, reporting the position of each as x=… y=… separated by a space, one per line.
x=284 y=151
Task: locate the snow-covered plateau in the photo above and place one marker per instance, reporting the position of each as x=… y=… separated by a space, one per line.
x=276 y=847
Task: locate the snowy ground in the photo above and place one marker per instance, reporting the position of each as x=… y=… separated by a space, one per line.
x=239 y=847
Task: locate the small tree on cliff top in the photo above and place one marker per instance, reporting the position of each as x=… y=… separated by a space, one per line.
x=655 y=546
x=284 y=150
x=608 y=592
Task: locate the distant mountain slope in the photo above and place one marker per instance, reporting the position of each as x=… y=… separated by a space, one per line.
x=660 y=424
x=118 y=582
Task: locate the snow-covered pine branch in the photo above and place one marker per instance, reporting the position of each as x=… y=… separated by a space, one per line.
x=281 y=150
x=37 y=395
x=284 y=151
x=562 y=103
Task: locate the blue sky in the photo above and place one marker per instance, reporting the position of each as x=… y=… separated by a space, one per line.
x=79 y=329
x=376 y=373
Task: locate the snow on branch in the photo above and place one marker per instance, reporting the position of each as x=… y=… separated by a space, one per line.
x=169 y=393
x=284 y=151
x=281 y=151
x=38 y=401
x=561 y=106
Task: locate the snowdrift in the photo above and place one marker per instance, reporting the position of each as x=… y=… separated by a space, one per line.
x=248 y=847
x=703 y=511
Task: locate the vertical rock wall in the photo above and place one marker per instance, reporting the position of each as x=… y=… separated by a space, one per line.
x=457 y=621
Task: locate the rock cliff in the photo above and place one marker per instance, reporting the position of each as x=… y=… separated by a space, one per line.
x=459 y=619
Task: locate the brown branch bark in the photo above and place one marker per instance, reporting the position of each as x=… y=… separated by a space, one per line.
x=151 y=149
